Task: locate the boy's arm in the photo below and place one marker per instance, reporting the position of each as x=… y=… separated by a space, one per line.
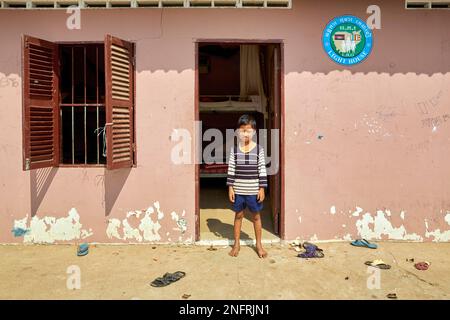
x=262 y=174
x=231 y=169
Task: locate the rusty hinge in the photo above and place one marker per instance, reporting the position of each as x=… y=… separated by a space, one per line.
x=134 y=147
x=27 y=164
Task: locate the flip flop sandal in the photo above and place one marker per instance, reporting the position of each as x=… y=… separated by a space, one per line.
x=311 y=246
x=82 y=253
x=319 y=253
x=175 y=276
x=160 y=282
x=167 y=279
x=378 y=264
x=422 y=265
x=311 y=252
x=363 y=243
x=314 y=254
x=306 y=255
x=83 y=249
x=307 y=245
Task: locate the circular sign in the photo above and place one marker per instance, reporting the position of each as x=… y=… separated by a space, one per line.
x=347 y=40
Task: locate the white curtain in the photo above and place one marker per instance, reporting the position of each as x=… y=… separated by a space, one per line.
x=251 y=78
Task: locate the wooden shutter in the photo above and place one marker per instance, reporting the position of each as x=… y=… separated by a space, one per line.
x=40 y=104
x=119 y=73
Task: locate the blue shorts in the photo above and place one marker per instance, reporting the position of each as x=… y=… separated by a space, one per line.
x=243 y=201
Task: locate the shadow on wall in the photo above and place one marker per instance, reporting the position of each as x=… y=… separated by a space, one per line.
x=40 y=180
x=114 y=180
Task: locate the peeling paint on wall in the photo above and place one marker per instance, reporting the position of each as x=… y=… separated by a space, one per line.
x=148 y=228
x=437 y=234
x=357 y=212
x=160 y=213
x=181 y=222
x=314 y=238
x=51 y=229
x=382 y=226
x=347 y=237
x=333 y=210
x=112 y=231
x=447 y=218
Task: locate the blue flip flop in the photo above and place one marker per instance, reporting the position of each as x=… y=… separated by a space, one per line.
x=364 y=243
x=83 y=249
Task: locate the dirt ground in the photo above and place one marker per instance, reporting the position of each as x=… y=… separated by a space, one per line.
x=125 y=271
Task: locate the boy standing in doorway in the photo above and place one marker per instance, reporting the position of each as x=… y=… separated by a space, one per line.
x=246 y=181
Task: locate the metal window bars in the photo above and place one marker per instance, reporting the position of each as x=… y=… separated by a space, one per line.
x=77 y=126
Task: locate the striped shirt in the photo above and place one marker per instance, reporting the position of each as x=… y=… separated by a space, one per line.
x=247 y=171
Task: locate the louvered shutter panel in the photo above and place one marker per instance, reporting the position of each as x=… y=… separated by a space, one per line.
x=119 y=73
x=40 y=104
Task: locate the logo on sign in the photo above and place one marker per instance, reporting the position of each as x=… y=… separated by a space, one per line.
x=347 y=40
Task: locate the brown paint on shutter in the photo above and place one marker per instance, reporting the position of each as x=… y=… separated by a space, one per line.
x=40 y=104
x=119 y=73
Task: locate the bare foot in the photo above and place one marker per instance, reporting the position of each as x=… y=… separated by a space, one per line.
x=234 y=252
x=261 y=252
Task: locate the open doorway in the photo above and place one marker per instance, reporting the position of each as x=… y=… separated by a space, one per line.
x=232 y=79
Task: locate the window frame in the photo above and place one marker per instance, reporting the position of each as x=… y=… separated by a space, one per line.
x=74 y=165
x=58 y=136
x=427 y=5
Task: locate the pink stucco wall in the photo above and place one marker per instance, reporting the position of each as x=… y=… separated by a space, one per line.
x=380 y=170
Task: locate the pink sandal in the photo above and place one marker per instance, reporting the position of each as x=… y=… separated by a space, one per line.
x=422 y=265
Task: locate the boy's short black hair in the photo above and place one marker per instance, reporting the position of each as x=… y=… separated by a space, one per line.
x=246 y=119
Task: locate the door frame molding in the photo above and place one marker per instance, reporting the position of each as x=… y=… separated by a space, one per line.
x=280 y=43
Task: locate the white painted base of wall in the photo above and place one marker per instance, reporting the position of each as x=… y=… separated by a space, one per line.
x=227 y=242
x=208 y=242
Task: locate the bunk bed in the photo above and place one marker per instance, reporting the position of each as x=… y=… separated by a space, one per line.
x=236 y=103
x=227 y=120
